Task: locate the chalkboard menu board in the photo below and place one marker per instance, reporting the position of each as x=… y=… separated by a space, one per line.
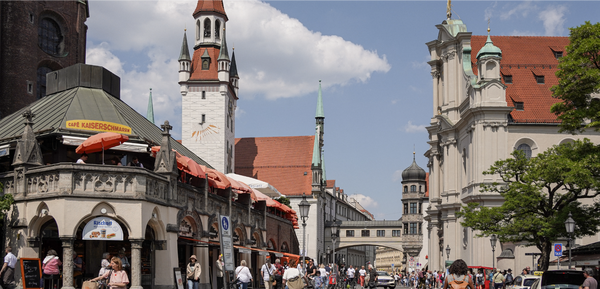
x=31 y=272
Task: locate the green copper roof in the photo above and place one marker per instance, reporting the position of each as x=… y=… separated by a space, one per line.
x=454 y=26
x=233 y=69
x=489 y=49
x=185 y=50
x=223 y=53
x=316 y=157
x=320 y=113
x=150 y=111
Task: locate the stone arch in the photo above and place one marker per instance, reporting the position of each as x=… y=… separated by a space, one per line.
x=213 y=231
x=49 y=17
x=207 y=31
x=285 y=247
x=566 y=140
x=271 y=245
x=256 y=235
x=193 y=219
x=102 y=209
x=156 y=224
x=42 y=216
x=241 y=233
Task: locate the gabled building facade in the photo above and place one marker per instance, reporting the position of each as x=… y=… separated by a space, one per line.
x=491 y=96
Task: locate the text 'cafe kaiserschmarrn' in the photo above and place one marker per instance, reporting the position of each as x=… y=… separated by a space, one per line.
x=156 y=215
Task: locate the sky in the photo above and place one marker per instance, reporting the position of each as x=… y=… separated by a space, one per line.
x=370 y=56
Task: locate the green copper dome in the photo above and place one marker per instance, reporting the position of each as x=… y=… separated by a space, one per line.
x=489 y=49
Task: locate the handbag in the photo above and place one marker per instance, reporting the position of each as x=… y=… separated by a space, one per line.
x=90 y=285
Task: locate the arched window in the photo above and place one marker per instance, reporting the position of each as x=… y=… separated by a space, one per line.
x=406 y=189
x=41 y=81
x=217 y=29
x=49 y=36
x=198 y=30
x=526 y=149
x=413 y=188
x=207 y=27
x=420 y=188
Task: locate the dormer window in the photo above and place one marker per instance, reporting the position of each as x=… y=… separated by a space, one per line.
x=205 y=64
x=519 y=106
x=507 y=79
x=558 y=54
x=540 y=79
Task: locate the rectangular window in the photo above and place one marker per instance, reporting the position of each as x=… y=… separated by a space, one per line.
x=396 y=233
x=405 y=228
x=507 y=79
x=365 y=233
x=540 y=79
x=420 y=228
x=519 y=106
x=413 y=228
x=406 y=208
x=380 y=233
x=420 y=208
x=413 y=208
x=558 y=54
x=203 y=118
x=349 y=233
x=203 y=94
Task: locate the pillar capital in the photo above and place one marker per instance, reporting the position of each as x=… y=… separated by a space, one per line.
x=136 y=243
x=67 y=242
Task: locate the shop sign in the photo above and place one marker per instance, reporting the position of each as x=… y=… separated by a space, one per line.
x=97 y=125
x=102 y=228
x=185 y=229
x=226 y=242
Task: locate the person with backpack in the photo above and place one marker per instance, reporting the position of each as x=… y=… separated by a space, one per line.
x=458 y=276
x=479 y=279
x=498 y=279
x=509 y=277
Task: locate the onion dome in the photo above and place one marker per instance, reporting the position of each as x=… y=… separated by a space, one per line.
x=414 y=172
x=489 y=49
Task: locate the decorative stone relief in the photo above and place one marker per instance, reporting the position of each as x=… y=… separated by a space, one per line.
x=103 y=183
x=156 y=188
x=41 y=184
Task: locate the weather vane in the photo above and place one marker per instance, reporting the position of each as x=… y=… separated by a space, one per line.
x=449 y=9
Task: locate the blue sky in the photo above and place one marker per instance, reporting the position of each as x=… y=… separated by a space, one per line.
x=370 y=55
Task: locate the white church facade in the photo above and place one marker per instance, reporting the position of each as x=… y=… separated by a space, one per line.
x=491 y=96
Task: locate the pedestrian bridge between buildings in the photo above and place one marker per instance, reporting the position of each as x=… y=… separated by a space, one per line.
x=376 y=233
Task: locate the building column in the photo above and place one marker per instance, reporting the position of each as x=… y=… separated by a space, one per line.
x=67 y=244
x=136 y=263
x=201 y=252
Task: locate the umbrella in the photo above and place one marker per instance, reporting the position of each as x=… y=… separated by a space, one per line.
x=217 y=179
x=101 y=142
x=193 y=168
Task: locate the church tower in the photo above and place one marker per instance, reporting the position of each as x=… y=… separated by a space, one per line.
x=209 y=86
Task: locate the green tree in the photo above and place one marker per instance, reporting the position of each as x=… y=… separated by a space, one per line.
x=579 y=78
x=284 y=201
x=538 y=195
x=6 y=201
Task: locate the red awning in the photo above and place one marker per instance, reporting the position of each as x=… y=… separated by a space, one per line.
x=217 y=179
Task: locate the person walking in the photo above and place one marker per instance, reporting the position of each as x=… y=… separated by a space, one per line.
x=362 y=272
x=292 y=278
x=220 y=265
x=268 y=271
x=372 y=277
x=590 y=282
x=8 y=268
x=117 y=277
x=278 y=273
x=479 y=279
x=242 y=273
x=458 y=273
x=193 y=271
x=498 y=279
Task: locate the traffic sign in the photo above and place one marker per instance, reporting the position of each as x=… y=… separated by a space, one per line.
x=226 y=242
x=558 y=249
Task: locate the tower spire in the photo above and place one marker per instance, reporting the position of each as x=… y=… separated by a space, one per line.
x=185 y=50
x=320 y=113
x=150 y=111
x=223 y=53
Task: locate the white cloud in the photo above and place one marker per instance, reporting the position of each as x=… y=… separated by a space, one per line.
x=277 y=56
x=523 y=9
x=554 y=20
x=365 y=201
x=410 y=127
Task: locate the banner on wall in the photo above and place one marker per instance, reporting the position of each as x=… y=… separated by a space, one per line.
x=97 y=125
x=102 y=228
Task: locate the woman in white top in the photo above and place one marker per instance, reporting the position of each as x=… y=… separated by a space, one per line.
x=324 y=273
x=479 y=279
x=243 y=275
x=292 y=273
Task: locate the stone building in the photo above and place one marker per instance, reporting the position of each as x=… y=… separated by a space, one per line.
x=37 y=37
x=415 y=199
x=491 y=96
x=158 y=214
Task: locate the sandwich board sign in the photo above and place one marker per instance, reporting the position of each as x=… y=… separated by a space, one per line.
x=226 y=239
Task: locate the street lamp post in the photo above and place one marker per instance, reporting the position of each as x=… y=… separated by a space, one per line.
x=493 y=240
x=304 y=208
x=334 y=235
x=448 y=252
x=570 y=225
x=328 y=255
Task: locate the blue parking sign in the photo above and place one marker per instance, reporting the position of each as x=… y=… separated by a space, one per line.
x=558 y=249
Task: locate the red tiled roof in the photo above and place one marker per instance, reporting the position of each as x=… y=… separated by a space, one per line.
x=330 y=183
x=523 y=57
x=211 y=73
x=210 y=6
x=283 y=162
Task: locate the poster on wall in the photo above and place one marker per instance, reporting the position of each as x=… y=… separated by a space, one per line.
x=102 y=228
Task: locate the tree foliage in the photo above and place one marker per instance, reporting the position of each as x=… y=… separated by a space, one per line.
x=6 y=201
x=579 y=80
x=284 y=201
x=538 y=195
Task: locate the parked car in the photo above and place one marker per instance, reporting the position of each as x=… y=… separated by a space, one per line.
x=523 y=282
x=559 y=279
x=385 y=280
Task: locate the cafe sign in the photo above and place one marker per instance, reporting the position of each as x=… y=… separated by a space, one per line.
x=97 y=125
x=102 y=228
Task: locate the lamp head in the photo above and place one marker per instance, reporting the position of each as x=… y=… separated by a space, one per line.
x=493 y=240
